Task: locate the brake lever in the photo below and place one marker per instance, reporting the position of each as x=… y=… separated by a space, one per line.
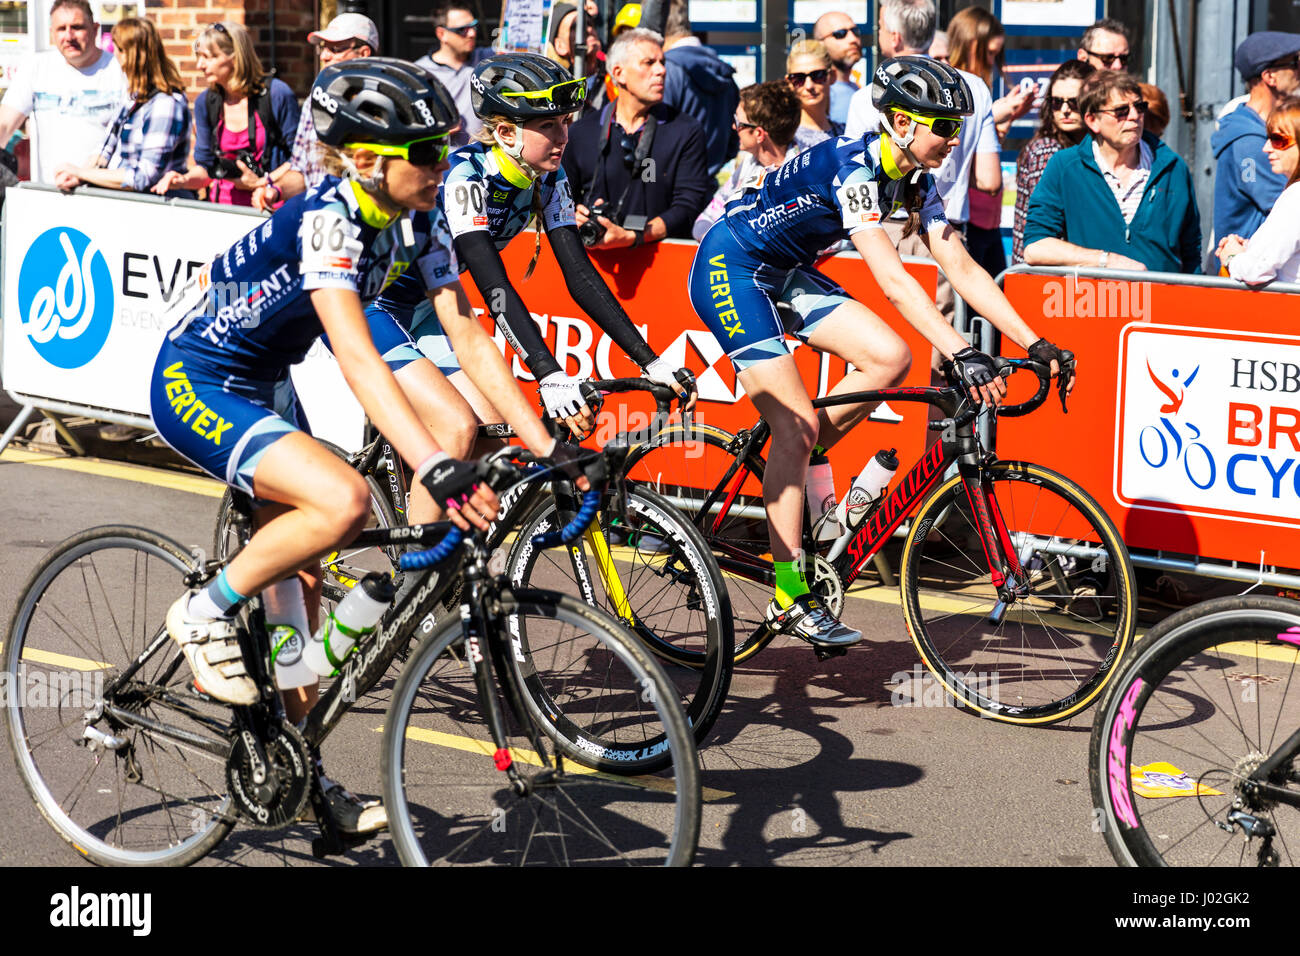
x=1063 y=377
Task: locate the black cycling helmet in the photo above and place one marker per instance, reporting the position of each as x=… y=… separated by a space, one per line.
x=497 y=79
x=380 y=100
x=919 y=84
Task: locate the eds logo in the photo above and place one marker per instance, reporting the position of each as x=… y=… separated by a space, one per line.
x=65 y=295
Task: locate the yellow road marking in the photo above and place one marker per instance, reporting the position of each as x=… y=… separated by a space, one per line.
x=1268 y=652
x=487 y=749
x=61 y=660
x=193 y=484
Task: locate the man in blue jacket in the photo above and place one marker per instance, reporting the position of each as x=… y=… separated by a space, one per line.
x=699 y=83
x=1245 y=186
x=1118 y=200
x=641 y=157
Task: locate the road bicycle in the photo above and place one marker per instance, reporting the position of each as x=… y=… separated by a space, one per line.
x=1193 y=755
x=508 y=739
x=1016 y=587
x=650 y=568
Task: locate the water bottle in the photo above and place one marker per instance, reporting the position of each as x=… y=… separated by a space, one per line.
x=354 y=618
x=820 y=488
x=286 y=622
x=867 y=488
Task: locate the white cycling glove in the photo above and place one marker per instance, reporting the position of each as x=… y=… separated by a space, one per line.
x=661 y=373
x=561 y=395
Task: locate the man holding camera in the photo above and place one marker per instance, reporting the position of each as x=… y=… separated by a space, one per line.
x=638 y=167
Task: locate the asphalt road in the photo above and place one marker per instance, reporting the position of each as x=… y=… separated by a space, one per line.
x=812 y=764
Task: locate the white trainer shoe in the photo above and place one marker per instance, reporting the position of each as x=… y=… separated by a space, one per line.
x=213 y=652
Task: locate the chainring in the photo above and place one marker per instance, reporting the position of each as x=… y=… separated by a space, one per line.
x=286 y=752
x=826 y=583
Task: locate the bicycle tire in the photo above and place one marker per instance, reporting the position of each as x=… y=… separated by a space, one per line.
x=696 y=461
x=71 y=614
x=675 y=597
x=342 y=568
x=1049 y=654
x=448 y=804
x=1204 y=695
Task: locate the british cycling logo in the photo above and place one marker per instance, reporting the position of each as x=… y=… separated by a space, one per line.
x=1172 y=442
x=65 y=297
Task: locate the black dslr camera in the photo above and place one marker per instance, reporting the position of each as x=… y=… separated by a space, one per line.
x=591 y=231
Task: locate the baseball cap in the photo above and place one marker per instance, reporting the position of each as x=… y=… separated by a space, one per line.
x=349 y=26
x=1258 y=50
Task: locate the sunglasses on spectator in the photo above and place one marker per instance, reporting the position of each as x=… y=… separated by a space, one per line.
x=1121 y=112
x=464 y=31
x=841 y=34
x=1060 y=102
x=429 y=151
x=817 y=76
x=1280 y=141
x=567 y=96
x=337 y=46
x=942 y=126
x=1120 y=58
x=737 y=125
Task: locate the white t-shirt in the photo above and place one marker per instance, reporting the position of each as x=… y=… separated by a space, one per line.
x=69 y=110
x=1273 y=252
x=978 y=135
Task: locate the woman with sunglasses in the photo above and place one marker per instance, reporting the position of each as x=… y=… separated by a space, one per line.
x=495 y=187
x=221 y=393
x=760 y=255
x=1273 y=252
x=809 y=71
x=1060 y=127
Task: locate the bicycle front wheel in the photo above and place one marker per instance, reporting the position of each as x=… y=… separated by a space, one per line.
x=653 y=572
x=449 y=804
x=119 y=792
x=1209 y=695
x=1043 y=649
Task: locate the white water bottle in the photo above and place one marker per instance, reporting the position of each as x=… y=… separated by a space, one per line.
x=867 y=487
x=820 y=488
x=286 y=622
x=354 y=618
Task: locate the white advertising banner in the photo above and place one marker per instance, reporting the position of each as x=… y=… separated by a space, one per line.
x=87 y=284
x=1209 y=423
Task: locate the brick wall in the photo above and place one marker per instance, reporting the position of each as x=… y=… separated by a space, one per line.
x=180 y=21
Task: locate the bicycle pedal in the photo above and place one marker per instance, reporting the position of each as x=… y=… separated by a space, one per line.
x=826 y=653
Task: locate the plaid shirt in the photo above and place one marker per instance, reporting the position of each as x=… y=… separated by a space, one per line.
x=149 y=138
x=1029 y=169
x=306 y=157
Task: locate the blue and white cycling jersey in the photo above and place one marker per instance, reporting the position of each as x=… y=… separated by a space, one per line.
x=220 y=393
x=833 y=190
x=485 y=191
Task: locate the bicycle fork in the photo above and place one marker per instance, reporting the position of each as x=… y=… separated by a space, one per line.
x=1005 y=570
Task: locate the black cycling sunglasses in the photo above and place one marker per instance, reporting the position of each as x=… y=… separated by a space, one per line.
x=841 y=34
x=817 y=76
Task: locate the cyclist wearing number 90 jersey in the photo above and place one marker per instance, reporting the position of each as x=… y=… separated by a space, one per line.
x=493 y=189
x=761 y=253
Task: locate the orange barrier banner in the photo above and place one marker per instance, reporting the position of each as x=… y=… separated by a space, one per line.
x=1185 y=423
x=650 y=282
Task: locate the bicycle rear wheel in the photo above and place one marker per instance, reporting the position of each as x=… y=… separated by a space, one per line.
x=449 y=804
x=1208 y=695
x=1049 y=653
x=92 y=607
x=654 y=574
x=685 y=466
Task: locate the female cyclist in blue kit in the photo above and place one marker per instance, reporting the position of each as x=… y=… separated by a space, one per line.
x=761 y=253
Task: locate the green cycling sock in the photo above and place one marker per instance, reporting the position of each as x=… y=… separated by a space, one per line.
x=790 y=582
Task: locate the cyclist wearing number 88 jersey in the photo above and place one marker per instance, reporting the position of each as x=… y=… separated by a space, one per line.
x=761 y=253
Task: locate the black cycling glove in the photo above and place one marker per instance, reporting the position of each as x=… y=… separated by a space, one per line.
x=973 y=368
x=1047 y=353
x=567 y=459
x=449 y=480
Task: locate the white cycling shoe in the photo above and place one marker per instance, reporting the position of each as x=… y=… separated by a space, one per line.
x=213 y=652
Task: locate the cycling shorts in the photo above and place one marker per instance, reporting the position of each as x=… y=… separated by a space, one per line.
x=399 y=347
x=221 y=422
x=736 y=296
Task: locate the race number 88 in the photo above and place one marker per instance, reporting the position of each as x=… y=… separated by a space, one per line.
x=859 y=197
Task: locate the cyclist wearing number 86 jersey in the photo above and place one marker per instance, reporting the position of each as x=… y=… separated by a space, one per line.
x=760 y=254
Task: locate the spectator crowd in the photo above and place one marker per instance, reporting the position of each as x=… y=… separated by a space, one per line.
x=666 y=138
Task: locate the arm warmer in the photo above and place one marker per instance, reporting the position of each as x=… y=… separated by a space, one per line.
x=507 y=309
x=593 y=295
